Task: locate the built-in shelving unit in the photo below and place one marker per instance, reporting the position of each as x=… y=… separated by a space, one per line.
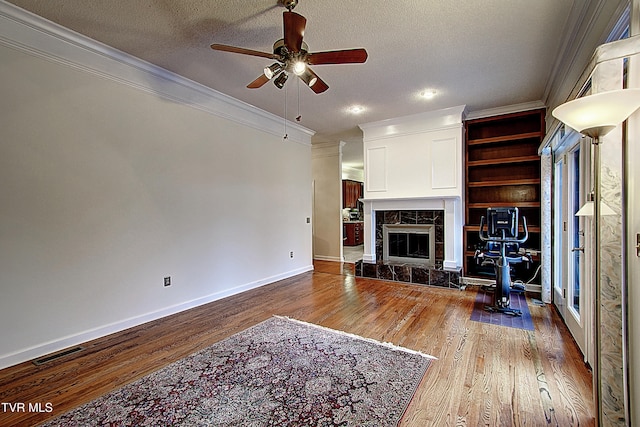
x=502 y=169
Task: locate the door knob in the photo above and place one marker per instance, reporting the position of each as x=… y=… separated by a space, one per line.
x=581 y=249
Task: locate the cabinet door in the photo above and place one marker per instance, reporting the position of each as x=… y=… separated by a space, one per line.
x=351 y=192
x=350 y=235
x=346 y=189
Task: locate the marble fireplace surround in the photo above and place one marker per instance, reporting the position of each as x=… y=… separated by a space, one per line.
x=445 y=213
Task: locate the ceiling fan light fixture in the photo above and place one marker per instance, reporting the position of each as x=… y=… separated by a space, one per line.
x=281 y=80
x=299 y=67
x=308 y=78
x=292 y=54
x=289 y=4
x=272 y=70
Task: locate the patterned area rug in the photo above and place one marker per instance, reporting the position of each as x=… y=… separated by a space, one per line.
x=281 y=372
x=518 y=301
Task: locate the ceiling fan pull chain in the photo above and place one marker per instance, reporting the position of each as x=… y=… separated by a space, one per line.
x=286 y=135
x=299 y=116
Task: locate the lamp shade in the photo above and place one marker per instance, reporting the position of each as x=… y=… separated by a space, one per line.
x=587 y=209
x=598 y=114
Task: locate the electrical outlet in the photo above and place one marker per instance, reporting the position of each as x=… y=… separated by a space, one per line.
x=291 y=254
x=167 y=281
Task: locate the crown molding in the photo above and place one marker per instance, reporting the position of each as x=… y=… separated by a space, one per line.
x=446 y=118
x=589 y=25
x=38 y=37
x=507 y=109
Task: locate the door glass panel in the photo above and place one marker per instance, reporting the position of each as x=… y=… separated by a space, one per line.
x=576 y=233
x=558 y=226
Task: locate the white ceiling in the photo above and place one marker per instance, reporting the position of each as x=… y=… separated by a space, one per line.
x=481 y=53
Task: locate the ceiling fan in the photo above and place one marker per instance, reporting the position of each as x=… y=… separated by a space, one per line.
x=293 y=56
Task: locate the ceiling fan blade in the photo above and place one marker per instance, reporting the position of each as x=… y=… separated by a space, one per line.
x=293 y=30
x=319 y=86
x=233 y=49
x=258 y=82
x=348 y=56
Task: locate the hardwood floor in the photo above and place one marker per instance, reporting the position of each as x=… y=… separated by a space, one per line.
x=485 y=374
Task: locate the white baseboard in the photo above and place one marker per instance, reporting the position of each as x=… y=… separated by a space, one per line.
x=40 y=350
x=327 y=258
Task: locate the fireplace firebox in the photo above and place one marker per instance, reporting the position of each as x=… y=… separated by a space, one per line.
x=413 y=243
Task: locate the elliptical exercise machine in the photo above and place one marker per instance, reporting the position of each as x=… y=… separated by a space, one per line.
x=502 y=248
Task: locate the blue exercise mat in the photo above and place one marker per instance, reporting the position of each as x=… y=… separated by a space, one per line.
x=518 y=301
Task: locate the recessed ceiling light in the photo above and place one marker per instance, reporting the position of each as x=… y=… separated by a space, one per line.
x=355 y=109
x=428 y=93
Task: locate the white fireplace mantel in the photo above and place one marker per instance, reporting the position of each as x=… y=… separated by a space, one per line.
x=416 y=163
x=453 y=223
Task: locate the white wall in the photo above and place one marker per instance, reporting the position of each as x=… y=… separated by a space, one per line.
x=327 y=201
x=107 y=188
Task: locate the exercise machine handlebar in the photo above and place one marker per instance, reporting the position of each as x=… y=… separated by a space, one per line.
x=484 y=236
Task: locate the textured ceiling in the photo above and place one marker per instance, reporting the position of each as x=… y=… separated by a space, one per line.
x=481 y=53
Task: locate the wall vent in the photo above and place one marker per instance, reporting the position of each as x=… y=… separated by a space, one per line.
x=58 y=355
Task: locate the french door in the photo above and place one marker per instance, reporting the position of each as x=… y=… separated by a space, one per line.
x=570 y=236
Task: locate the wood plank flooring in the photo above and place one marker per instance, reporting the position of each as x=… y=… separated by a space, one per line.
x=485 y=375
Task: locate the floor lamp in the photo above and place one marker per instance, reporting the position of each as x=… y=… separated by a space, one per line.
x=595 y=116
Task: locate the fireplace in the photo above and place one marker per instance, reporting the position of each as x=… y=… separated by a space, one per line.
x=408 y=231
x=409 y=247
x=414 y=176
x=445 y=214
x=413 y=243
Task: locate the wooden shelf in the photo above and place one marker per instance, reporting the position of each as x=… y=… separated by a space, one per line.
x=503 y=205
x=504 y=138
x=503 y=161
x=498 y=183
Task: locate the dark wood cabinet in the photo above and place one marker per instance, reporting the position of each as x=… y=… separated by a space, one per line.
x=354 y=233
x=502 y=169
x=351 y=192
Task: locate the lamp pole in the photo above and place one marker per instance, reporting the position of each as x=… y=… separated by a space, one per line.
x=596 y=133
x=597 y=380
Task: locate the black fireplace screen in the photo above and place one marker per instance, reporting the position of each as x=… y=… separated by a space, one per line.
x=409 y=245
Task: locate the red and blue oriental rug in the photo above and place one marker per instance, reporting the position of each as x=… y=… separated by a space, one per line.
x=280 y=372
